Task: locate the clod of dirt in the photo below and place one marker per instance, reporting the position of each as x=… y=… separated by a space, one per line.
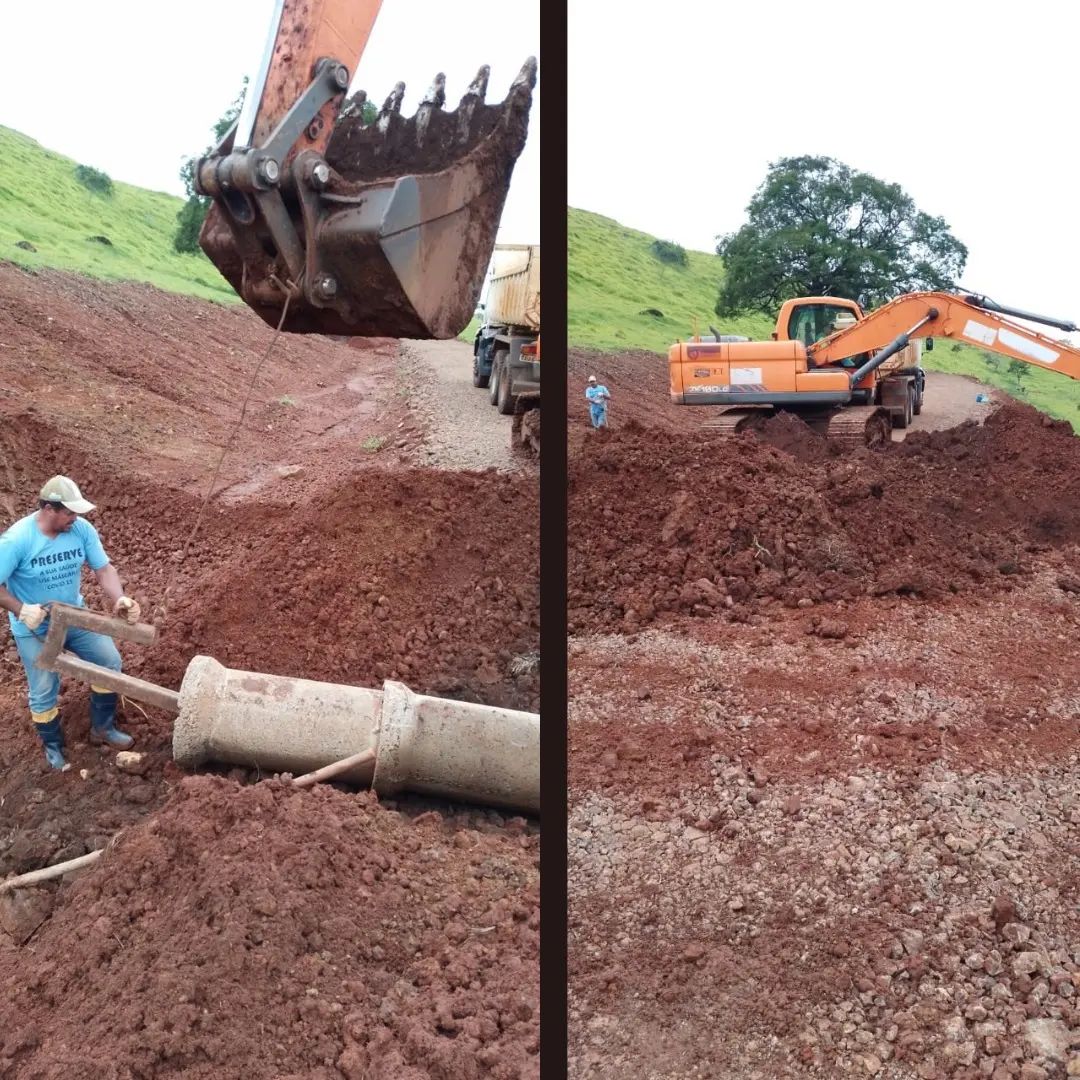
x=22 y=911
x=131 y=761
x=1004 y=912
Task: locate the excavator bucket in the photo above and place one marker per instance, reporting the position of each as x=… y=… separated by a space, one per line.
x=384 y=228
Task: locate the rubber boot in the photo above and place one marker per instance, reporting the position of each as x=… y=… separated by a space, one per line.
x=52 y=738
x=103 y=727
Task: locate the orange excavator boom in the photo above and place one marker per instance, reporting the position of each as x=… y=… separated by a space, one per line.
x=327 y=222
x=974 y=320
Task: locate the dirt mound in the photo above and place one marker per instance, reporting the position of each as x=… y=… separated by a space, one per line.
x=268 y=932
x=385 y=579
x=787 y=432
x=695 y=525
x=823 y=806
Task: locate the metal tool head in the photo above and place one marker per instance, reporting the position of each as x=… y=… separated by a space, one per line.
x=53 y=657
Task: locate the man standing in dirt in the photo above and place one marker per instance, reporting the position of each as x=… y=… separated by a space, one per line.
x=597 y=396
x=41 y=561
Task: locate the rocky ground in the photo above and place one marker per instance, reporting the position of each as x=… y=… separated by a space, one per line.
x=464 y=429
x=823 y=748
x=240 y=928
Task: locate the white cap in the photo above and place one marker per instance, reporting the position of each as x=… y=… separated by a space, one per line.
x=64 y=490
x=592 y=378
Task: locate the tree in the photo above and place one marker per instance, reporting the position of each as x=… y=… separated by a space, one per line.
x=193 y=212
x=817 y=228
x=1019 y=371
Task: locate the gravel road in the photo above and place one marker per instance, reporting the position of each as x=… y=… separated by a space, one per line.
x=463 y=430
x=949 y=400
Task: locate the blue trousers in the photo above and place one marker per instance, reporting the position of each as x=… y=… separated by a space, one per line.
x=598 y=413
x=45 y=685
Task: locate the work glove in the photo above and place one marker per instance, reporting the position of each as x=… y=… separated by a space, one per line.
x=127 y=609
x=31 y=615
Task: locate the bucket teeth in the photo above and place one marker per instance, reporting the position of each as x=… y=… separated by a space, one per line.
x=392 y=105
x=436 y=94
x=435 y=137
x=478 y=87
x=434 y=99
x=526 y=76
x=519 y=96
x=473 y=97
x=355 y=105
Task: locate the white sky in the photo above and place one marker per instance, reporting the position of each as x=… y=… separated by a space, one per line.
x=675 y=116
x=137 y=85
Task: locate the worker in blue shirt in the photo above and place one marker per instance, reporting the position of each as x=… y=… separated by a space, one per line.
x=41 y=561
x=597 y=396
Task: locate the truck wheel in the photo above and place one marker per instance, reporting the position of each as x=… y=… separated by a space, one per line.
x=493 y=379
x=903 y=419
x=916 y=408
x=477 y=378
x=506 y=398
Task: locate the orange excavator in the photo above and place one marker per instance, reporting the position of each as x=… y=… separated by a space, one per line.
x=324 y=223
x=852 y=376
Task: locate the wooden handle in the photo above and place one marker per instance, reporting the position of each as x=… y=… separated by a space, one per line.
x=328 y=772
x=34 y=876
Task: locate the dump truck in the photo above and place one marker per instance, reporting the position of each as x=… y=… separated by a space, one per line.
x=327 y=222
x=505 y=351
x=849 y=375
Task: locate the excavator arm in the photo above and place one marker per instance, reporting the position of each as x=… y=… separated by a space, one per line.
x=973 y=320
x=351 y=228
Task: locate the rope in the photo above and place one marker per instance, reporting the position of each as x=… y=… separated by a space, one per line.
x=163 y=607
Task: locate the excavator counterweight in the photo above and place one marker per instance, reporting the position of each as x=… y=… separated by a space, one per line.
x=362 y=227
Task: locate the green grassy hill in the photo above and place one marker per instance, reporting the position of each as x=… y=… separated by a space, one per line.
x=614 y=279
x=614 y=276
x=42 y=204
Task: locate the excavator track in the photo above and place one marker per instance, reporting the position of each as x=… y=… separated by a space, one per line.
x=855 y=426
x=732 y=422
x=850 y=427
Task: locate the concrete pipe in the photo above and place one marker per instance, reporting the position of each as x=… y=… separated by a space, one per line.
x=434 y=746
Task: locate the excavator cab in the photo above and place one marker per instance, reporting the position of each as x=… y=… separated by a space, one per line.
x=328 y=221
x=811 y=322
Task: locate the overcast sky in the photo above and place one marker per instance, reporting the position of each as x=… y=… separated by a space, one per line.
x=970 y=108
x=132 y=87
